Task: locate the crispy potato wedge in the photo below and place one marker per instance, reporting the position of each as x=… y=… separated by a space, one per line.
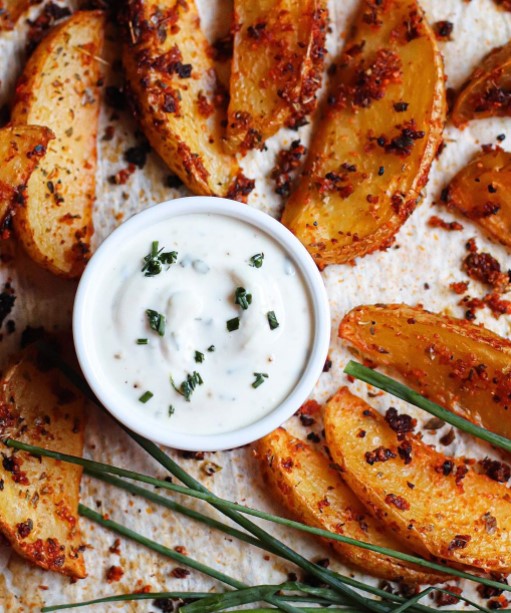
x=277 y=67
x=487 y=93
x=11 y=11
x=176 y=96
x=480 y=191
x=372 y=150
x=21 y=148
x=59 y=88
x=461 y=366
x=39 y=496
x=304 y=481
x=463 y=518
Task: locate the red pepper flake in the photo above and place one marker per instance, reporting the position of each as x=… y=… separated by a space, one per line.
x=114 y=573
x=179 y=573
x=405 y=451
x=181 y=549
x=121 y=177
x=13 y=464
x=402 y=144
x=460 y=541
x=115 y=547
x=323 y=503
x=397 y=501
x=288 y=160
x=485 y=268
x=206 y=108
x=240 y=188
x=451 y=226
x=442 y=599
x=380 y=454
x=400 y=423
x=498 y=471
x=25 y=528
x=310 y=407
x=459 y=287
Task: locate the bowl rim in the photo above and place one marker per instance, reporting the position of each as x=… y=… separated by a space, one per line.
x=320 y=311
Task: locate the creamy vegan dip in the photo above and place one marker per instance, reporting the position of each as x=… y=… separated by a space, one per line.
x=204 y=323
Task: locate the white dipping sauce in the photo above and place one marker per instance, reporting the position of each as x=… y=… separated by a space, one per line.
x=196 y=295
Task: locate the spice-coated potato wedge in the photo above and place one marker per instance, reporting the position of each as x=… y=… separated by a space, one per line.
x=486 y=93
x=21 y=148
x=437 y=504
x=459 y=365
x=305 y=482
x=372 y=150
x=59 y=88
x=480 y=191
x=39 y=496
x=11 y=11
x=277 y=67
x=176 y=96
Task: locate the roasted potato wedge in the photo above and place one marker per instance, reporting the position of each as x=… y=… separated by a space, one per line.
x=480 y=191
x=11 y=11
x=305 y=482
x=461 y=366
x=39 y=496
x=277 y=67
x=437 y=504
x=371 y=152
x=21 y=148
x=176 y=96
x=487 y=93
x=59 y=88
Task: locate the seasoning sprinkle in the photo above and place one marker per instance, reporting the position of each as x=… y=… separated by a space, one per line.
x=259 y=379
x=142 y=341
x=146 y=396
x=199 y=357
x=242 y=298
x=233 y=324
x=172 y=410
x=257 y=260
x=272 y=320
x=156 y=321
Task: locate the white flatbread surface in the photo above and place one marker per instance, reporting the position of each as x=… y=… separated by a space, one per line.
x=421 y=255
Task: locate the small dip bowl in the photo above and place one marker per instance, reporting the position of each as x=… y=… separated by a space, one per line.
x=89 y=342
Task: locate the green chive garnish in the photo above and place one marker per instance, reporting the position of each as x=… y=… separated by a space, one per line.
x=172 y=410
x=142 y=341
x=211 y=348
x=156 y=321
x=145 y=397
x=233 y=324
x=188 y=386
x=272 y=320
x=259 y=379
x=257 y=260
x=199 y=357
x=242 y=298
x=153 y=261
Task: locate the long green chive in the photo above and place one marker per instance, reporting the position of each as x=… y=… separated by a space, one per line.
x=272 y=320
x=241 y=298
x=156 y=321
x=257 y=260
x=127 y=598
x=146 y=396
x=405 y=393
x=259 y=379
x=233 y=324
x=188 y=386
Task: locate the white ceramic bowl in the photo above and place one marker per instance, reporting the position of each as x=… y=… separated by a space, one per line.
x=84 y=329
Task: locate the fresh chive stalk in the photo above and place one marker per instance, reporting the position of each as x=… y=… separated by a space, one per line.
x=127 y=598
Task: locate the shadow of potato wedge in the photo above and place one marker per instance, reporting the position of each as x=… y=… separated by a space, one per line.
x=486 y=92
x=176 y=96
x=482 y=192
x=456 y=514
x=59 y=89
x=371 y=152
x=461 y=366
x=305 y=482
x=21 y=148
x=277 y=67
x=39 y=496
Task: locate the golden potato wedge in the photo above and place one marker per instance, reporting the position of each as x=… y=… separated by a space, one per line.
x=437 y=504
x=371 y=152
x=59 y=88
x=461 y=366
x=276 y=69
x=39 y=496
x=11 y=11
x=480 y=191
x=487 y=93
x=21 y=148
x=175 y=94
x=305 y=482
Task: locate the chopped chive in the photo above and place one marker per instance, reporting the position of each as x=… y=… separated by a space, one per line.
x=233 y=324
x=153 y=261
x=156 y=321
x=259 y=379
x=242 y=298
x=169 y=257
x=199 y=357
x=211 y=348
x=172 y=410
x=272 y=320
x=142 y=341
x=257 y=260
x=146 y=396
x=188 y=386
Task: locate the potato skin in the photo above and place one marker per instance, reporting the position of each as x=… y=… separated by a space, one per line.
x=276 y=69
x=372 y=150
x=461 y=518
x=482 y=192
x=21 y=148
x=305 y=482
x=481 y=95
x=59 y=89
x=11 y=11
x=39 y=498
x=461 y=366
x=175 y=96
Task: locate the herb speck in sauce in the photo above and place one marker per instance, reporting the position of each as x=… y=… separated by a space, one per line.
x=156 y=321
x=233 y=324
x=199 y=357
x=142 y=341
x=146 y=396
x=259 y=379
x=211 y=348
x=257 y=260
x=272 y=320
x=188 y=386
x=241 y=298
x=153 y=261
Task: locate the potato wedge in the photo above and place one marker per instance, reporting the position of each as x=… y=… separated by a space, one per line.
x=11 y=11
x=59 y=88
x=277 y=67
x=39 y=496
x=371 y=152
x=487 y=93
x=175 y=95
x=437 y=504
x=480 y=191
x=461 y=366
x=21 y=148
x=305 y=482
